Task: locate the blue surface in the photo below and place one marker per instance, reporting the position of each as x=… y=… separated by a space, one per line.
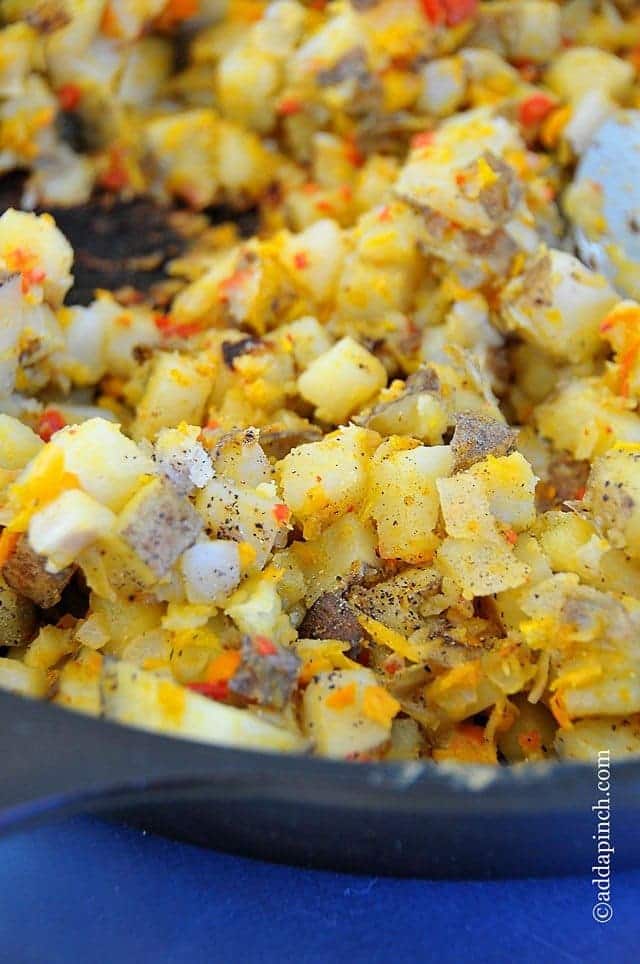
x=91 y=893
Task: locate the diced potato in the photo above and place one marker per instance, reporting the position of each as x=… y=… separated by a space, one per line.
x=243 y=514
x=239 y=457
x=613 y=496
x=123 y=620
x=177 y=391
x=159 y=525
x=323 y=480
x=593 y=418
x=67 y=525
x=531 y=736
x=617 y=693
x=407 y=741
x=481 y=568
x=182 y=459
x=256 y=609
x=25 y=680
x=185 y=148
x=109 y=466
x=418 y=414
x=306 y=338
x=403 y=499
x=527 y=31
x=527 y=551
x=316 y=256
x=49 y=647
x=245 y=165
x=139 y=698
x=509 y=485
x=465 y=508
x=340 y=552
x=26 y=573
x=572 y=544
x=581 y=69
x=247 y=80
x=18 y=443
x=211 y=570
x=467 y=145
x=78 y=686
x=444 y=86
x=342 y=380
x=34 y=247
x=558 y=304
x=472 y=687
x=586 y=738
x=337 y=713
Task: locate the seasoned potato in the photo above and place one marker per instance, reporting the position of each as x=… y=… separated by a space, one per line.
x=337 y=453
x=613 y=496
x=346 y=713
x=355 y=376
x=403 y=500
x=140 y=698
x=323 y=480
x=557 y=305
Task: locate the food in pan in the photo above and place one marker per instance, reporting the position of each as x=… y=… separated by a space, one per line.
x=363 y=481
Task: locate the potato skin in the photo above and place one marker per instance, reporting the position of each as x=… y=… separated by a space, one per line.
x=18 y=617
x=25 y=572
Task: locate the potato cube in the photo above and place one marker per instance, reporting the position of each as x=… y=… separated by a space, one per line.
x=211 y=570
x=323 y=480
x=509 y=485
x=18 y=443
x=159 y=525
x=481 y=568
x=403 y=499
x=177 y=391
x=557 y=305
x=339 y=716
x=580 y=69
x=340 y=553
x=108 y=465
x=25 y=680
x=342 y=380
x=140 y=698
x=18 y=621
x=613 y=496
x=242 y=514
x=32 y=246
x=67 y=525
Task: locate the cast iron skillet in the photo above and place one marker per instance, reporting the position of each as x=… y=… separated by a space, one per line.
x=411 y=819
x=404 y=819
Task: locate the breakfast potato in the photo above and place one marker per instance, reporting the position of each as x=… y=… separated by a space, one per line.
x=557 y=304
x=613 y=496
x=346 y=713
x=323 y=480
x=403 y=500
x=140 y=698
x=355 y=376
x=331 y=447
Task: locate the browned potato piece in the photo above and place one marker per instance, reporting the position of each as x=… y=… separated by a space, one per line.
x=277 y=443
x=159 y=525
x=477 y=436
x=18 y=619
x=331 y=617
x=267 y=675
x=25 y=572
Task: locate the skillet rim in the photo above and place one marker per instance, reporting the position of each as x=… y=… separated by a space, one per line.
x=55 y=759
